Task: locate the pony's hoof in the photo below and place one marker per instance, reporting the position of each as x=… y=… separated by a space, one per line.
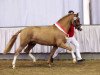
x=50 y=65
x=74 y=61
x=34 y=61
x=48 y=62
x=13 y=67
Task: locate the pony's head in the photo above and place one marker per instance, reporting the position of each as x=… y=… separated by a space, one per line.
x=76 y=22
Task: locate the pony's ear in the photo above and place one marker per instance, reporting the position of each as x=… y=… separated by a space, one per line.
x=77 y=15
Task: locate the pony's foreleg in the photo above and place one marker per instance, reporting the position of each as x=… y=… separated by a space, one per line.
x=51 y=54
x=71 y=51
x=67 y=47
x=73 y=56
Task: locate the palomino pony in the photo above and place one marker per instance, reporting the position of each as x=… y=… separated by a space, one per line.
x=54 y=35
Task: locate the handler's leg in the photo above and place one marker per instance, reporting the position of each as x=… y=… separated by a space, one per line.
x=76 y=44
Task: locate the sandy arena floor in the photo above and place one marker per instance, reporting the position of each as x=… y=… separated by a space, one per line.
x=61 y=67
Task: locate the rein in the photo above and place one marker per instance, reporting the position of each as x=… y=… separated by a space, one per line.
x=61 y=28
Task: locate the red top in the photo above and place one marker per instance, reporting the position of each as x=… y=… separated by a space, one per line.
x=71 y=31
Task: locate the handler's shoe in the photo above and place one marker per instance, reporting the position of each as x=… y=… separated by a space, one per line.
x=81 y=60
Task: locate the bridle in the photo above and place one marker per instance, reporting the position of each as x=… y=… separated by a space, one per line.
x=77 y=24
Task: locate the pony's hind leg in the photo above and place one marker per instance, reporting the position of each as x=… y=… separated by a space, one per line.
x=16 y=55
x=14 y=61
x=27 y=50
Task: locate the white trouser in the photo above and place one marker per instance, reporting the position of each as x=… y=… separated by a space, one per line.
x=71 y=40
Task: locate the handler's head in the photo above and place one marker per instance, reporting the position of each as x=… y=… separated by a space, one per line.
x=71 y=12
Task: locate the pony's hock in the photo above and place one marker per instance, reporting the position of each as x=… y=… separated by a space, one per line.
x=55 y=36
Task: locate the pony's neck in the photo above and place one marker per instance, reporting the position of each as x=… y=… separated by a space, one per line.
x=66 y=21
